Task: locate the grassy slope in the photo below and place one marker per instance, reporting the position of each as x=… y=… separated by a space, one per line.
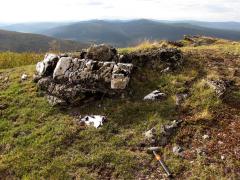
x=26 y=42
x=37 y=140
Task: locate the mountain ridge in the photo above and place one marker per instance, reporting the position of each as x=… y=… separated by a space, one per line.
x=21 y=42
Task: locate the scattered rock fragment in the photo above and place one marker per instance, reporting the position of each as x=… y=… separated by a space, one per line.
x=180 y=98
x=177 y=150
x=167 y=131
x=219 y=86
x=200 y=151
x=24 y=77
x=54 y=101
x=165 y=70
x=205 y=136
x=94 y=120
x=155 y=95
x=198 y=40
x=150 y=136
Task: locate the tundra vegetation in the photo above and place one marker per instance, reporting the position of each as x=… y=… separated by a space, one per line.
x=41 y=141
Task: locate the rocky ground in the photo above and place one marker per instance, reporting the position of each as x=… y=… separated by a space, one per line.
x=183 y=97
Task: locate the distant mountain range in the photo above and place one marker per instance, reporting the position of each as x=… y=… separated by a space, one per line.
x=125 y=33
x=233 y=26
x=32 y=27
x=117 y=32
x=22 y=42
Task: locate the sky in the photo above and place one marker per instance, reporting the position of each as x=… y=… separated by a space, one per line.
x=77 y=10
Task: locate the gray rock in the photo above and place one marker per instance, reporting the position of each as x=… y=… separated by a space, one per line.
x=121 y=75
x=47 y=66
x=36 y=78
x=177 y=150
x=167 y=131
x=102 y=52
x=205 y=136
x=54 y=101
x=219 y=86
x=171 y=57
x=155 y=95
x=73 y=78
x=165 y=70
x=62 y=68
x=24 y=77
x=150 y=134
x=180 y=98
x=200 y=151
x=94 y=120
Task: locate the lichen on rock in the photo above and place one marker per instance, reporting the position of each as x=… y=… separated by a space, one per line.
x=70 y=78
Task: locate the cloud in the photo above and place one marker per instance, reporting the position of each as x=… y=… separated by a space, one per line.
x=63 y=10
x=95 y=3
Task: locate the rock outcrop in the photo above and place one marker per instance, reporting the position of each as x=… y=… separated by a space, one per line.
x=171 y=57
x=68 y=80
x=72 y=77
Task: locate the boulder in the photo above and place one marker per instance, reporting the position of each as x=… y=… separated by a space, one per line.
x=47 y=66
x=102 y=52
x=155 y=95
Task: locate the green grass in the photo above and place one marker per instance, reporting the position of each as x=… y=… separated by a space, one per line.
x=12 y=59
x=41 y=141
x=38 y=141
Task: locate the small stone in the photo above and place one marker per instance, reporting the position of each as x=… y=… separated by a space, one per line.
x=180 y=98
x=205 y=136
x=54 y=101
x=222 y=157
x=94 y=120
x=219 y=86
x=24 y=77
x=150 y=134
x=220 y=142
x=155 y=95
x=177 y=150
x=165 y=70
